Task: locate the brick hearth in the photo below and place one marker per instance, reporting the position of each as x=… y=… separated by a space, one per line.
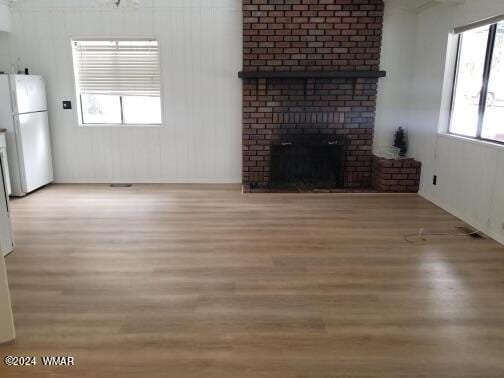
x=310 y=35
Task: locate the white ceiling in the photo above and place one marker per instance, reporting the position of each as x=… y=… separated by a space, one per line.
x=419 y=4
x=408 y=4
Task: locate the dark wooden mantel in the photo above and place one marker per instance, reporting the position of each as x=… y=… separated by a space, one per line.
x=310 y=74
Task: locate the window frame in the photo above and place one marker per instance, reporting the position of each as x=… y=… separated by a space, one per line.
x=487 y=68
x=78 y=95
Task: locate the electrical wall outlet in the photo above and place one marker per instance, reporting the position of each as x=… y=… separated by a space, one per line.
x=434 y=180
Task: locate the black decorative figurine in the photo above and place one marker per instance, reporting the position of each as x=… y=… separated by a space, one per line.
x=400 y=141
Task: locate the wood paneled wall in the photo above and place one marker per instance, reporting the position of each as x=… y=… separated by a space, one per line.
x=200 y=43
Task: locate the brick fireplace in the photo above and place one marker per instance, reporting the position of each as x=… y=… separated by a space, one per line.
x=310 y=68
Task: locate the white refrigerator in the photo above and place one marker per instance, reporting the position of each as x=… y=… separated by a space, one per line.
x=23 y=112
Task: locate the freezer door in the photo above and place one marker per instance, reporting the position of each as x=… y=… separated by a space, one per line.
x=28 y=93
x=34 y=150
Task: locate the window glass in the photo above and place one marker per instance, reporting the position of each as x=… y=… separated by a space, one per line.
x=141 y=110
x=469 y=82
x=493 y=121
x=101 y=109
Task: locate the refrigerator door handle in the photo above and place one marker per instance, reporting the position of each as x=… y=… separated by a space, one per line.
x=13 y=95
x=19 y=147
x=14 y=103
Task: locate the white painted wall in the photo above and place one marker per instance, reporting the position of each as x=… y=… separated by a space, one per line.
x=5 y=17
x=5 y=58
x=398 y=52
x=5 y=28
x=470 y=174
x=200 y=44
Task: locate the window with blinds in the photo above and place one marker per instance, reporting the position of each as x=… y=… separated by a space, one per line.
x=118 y=82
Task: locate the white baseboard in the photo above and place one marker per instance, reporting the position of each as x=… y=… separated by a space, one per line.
x=476 y=225
x=148 y=181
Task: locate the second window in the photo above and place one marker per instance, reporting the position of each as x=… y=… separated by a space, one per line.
x=478 y=96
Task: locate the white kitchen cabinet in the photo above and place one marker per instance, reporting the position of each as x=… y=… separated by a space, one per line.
x=3 y=153
x=6 y=241
x=7 y=332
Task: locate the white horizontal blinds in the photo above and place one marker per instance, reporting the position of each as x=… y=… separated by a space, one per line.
x=126 y=68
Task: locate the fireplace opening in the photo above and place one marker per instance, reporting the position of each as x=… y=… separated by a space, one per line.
x=308 y=162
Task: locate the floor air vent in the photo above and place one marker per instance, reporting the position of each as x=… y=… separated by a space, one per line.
x=120 y=185
x=475 y=234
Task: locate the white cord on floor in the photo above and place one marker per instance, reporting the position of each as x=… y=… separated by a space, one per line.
x=421 y=235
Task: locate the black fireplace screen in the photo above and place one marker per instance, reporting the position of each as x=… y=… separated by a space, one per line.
x=308 y=162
